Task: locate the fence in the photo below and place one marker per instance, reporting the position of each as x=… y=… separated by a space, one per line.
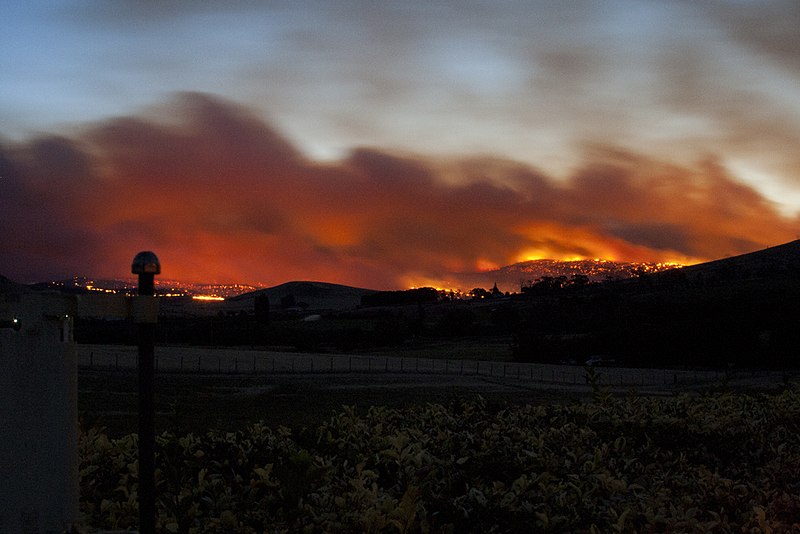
x=255 y=362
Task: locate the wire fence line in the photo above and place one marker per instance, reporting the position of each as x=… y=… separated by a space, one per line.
x=260 y=362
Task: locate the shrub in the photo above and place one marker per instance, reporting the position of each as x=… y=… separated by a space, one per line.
x=722 y=462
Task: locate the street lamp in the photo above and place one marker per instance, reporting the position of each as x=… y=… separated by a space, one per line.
x=146 y=265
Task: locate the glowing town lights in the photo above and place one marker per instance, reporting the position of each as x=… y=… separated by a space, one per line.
x=208 y=298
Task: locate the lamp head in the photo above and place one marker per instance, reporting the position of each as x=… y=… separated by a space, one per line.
x=146 y=262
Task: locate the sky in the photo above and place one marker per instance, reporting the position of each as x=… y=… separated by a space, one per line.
x=392 y=144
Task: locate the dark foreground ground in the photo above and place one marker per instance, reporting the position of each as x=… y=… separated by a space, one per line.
x=198 y=403
x=228 y=389
x=201 y=402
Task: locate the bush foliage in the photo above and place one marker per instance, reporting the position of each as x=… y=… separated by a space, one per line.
x=716 y=463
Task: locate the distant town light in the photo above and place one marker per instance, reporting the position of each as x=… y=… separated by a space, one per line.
x=207 y=297
x=12 y=323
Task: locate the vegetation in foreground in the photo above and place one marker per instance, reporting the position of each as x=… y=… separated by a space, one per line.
x=717 y=463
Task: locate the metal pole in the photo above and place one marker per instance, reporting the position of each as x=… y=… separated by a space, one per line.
x=146 y=265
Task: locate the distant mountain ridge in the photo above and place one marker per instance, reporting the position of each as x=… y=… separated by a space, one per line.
x=596 y=270
x=779 y=260
x=512 y=277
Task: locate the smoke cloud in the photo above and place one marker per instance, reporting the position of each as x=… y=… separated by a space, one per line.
x=221 y=196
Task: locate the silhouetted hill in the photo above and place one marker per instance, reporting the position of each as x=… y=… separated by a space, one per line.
x=740 y=310
x=9 y=286
x=774 y=262
x=759 y=275
x=307 y=295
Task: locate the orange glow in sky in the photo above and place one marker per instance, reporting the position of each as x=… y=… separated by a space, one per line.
x=223 y=197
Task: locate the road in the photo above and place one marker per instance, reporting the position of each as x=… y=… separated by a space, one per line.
x=338 y=367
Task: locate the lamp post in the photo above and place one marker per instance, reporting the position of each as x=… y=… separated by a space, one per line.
x=146 y=265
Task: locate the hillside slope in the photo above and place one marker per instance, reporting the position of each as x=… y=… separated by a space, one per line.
x=741 y=310
x=312 y=296
x=778 y=261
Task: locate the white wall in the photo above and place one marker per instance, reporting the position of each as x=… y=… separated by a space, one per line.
x=38 y=414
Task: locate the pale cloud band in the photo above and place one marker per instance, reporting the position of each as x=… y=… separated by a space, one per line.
x=530 y=81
